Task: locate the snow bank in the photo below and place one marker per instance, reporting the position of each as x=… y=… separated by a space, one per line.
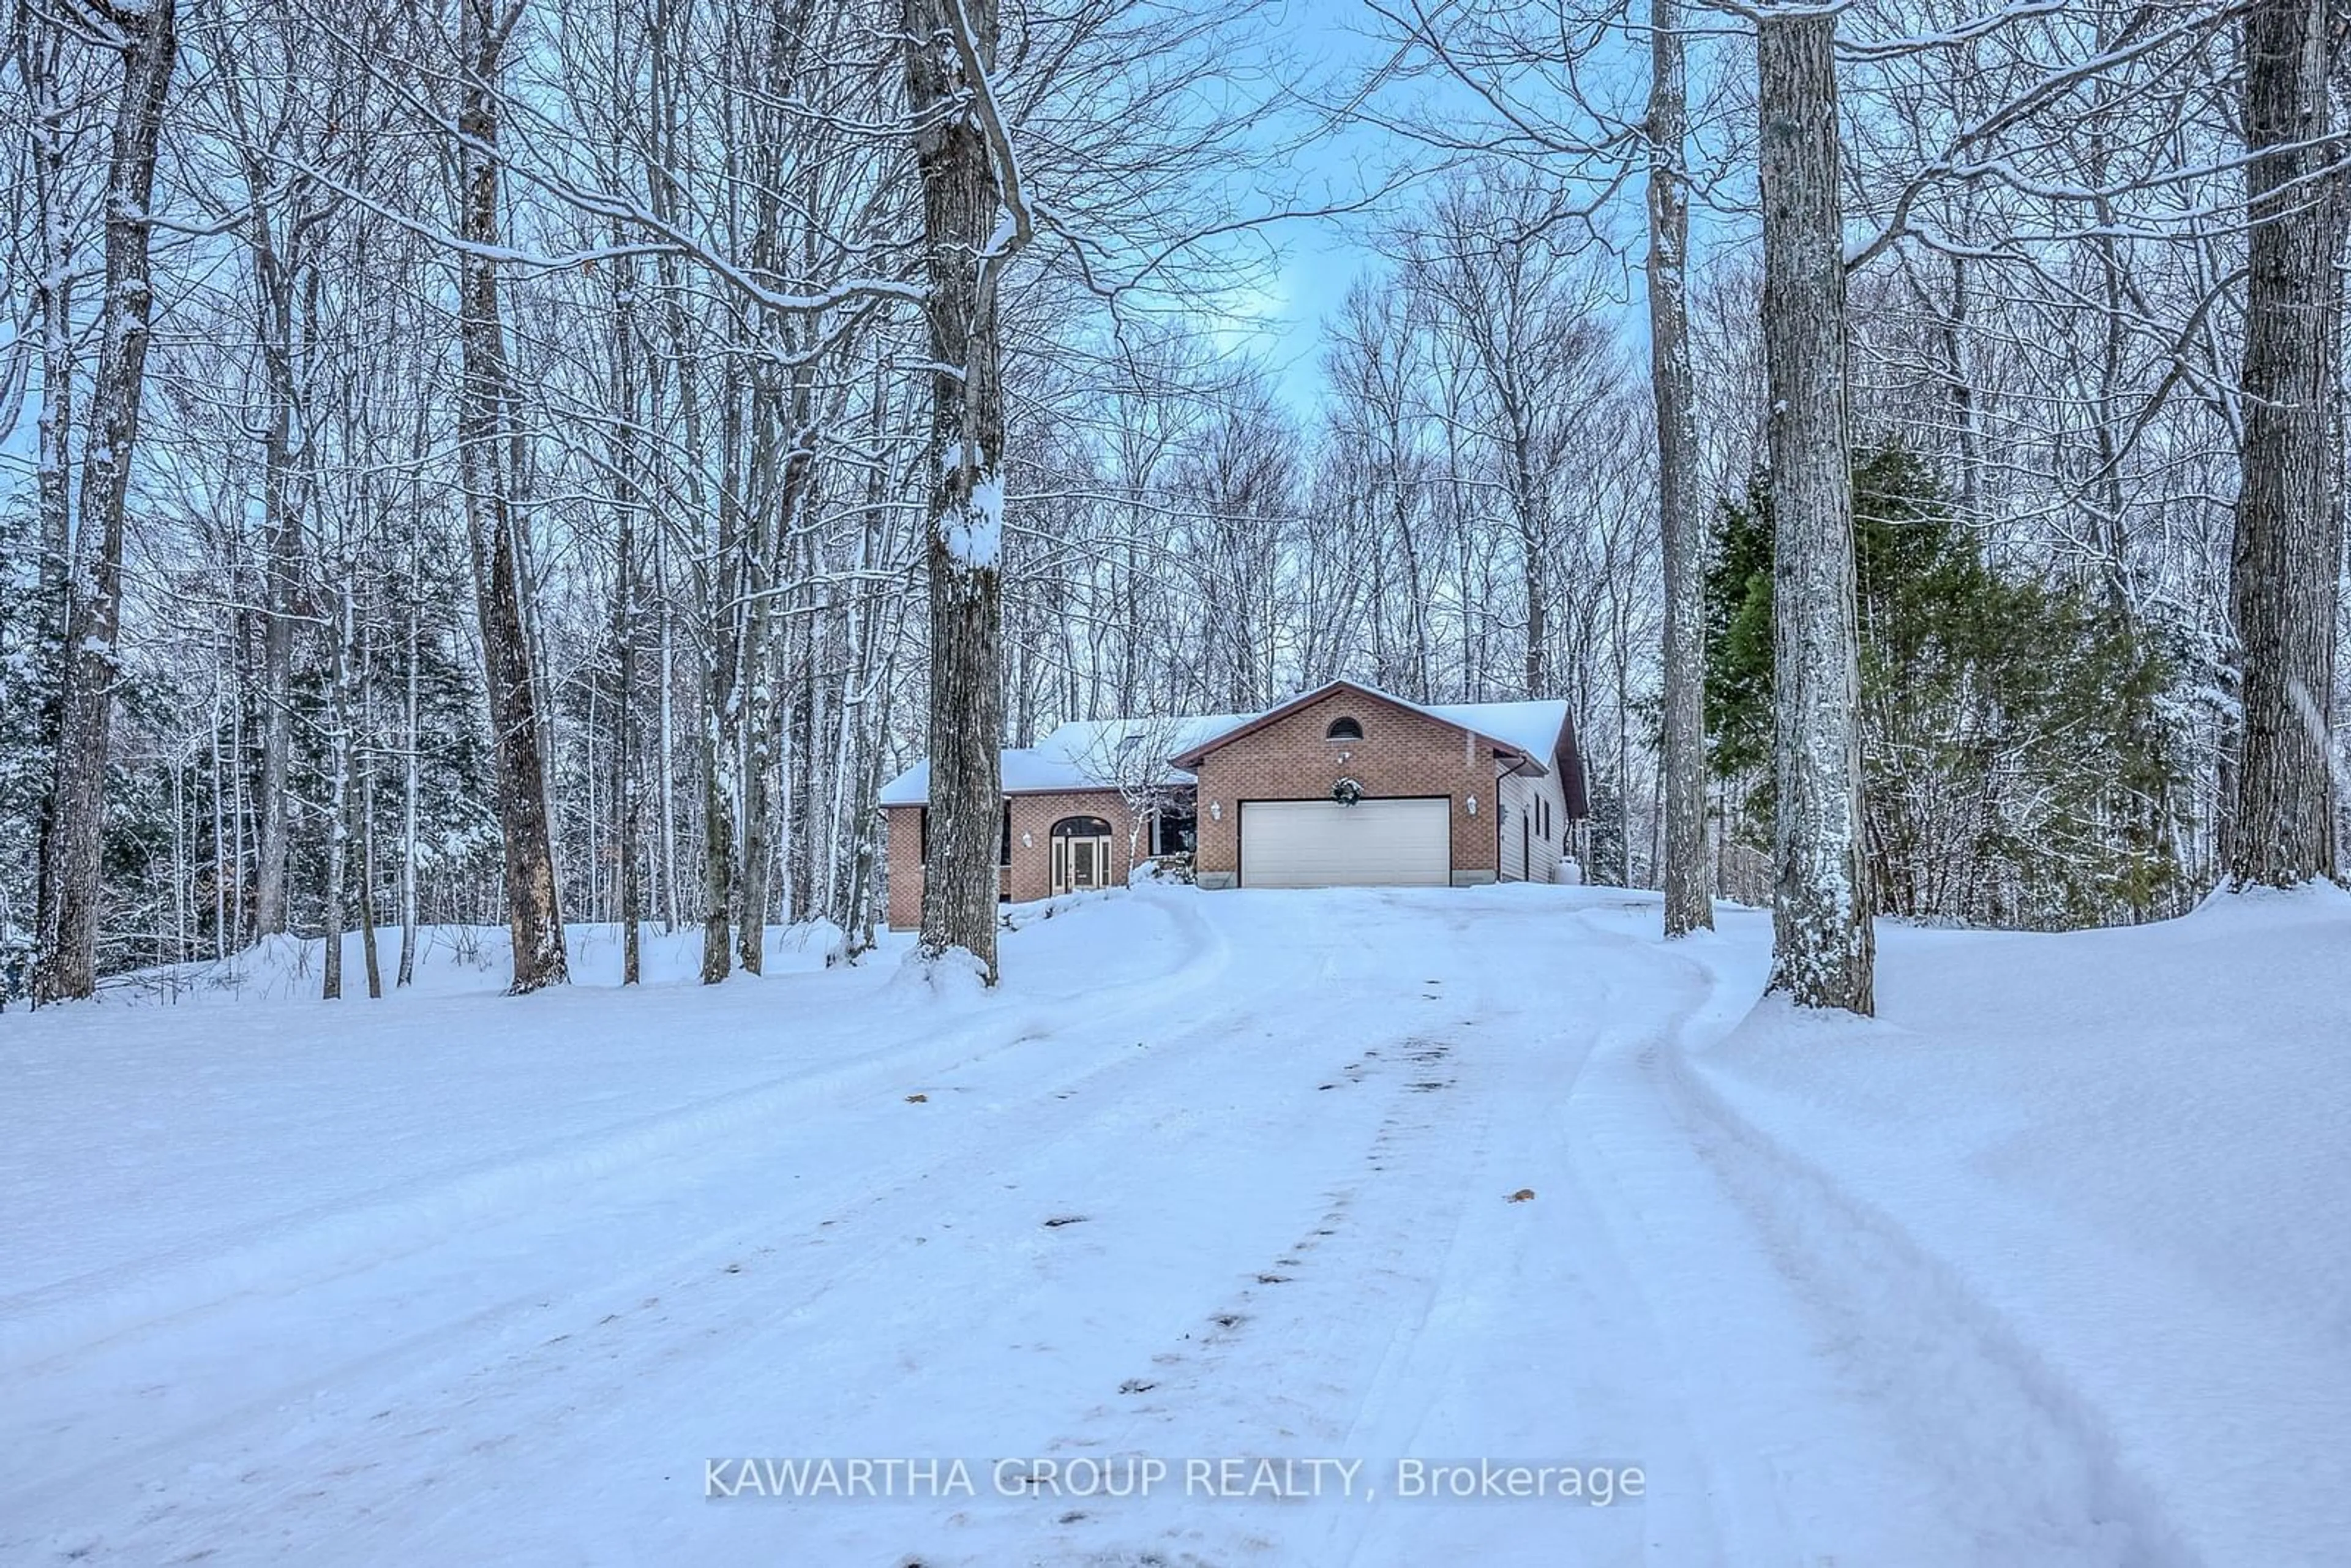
x=2104 y=1176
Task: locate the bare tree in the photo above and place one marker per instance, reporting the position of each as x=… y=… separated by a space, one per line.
x=342 y=719
x=627 y=620
x=960 y=144
x=733 y=375
x=42 y=41
x=2287 y=556
x=489 y=457
x=1681 y=510
x=1821 y=940
x=66 y=967
x=1506 y=267
x=272 y=130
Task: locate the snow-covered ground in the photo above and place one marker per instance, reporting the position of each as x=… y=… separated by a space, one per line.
x=2046 y=1266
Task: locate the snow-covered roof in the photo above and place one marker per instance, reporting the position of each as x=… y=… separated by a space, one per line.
x=1135 y=753
x=1533 y=729
x=1098 y=754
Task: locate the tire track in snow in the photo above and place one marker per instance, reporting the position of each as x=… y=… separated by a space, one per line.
x=677 y=1156
x=2022 y=1471
x=1424 y=1288
x=1652 y=1215
x=693 y=1336
x=1599 y=1378
x=1872 y=1333
x=326 y=1242
x=832 y=1308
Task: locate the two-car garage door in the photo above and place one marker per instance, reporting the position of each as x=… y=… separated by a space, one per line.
x=1321 y=843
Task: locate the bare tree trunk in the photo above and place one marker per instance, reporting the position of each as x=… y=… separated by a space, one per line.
x=756 y=701
x=627 y=620
x=1689 y=903
x=73 y=832
x=754 y=892
x=802 y=817
x=179 y=865
x=948 y=42
x=363 y=815
x=662 y=163
x=363 y=812
x=766 y=667
x=2286 y=564
x=40 y=65
x=486 y=412
x=220 y=834
x=865 y=710
x=1534 y=549
x=406 y=974
x=1821 y=940
x=282 y=528
x=722 y=716
x=665 y=775
x=719 y=835
x=338 y=803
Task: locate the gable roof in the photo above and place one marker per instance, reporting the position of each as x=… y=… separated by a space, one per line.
x=1098 y=754
x=1534 y=732
x=1132 y=753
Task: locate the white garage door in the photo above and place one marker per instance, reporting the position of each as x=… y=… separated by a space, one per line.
x=1372 y=844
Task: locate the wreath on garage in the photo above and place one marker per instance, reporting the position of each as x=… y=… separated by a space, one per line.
x=1346 y=791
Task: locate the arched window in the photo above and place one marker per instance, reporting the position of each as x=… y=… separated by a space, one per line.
x=1081 y=828
x=1344 y=730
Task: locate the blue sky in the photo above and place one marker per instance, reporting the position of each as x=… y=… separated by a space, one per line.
x=1328 y=43
x=1334 y=42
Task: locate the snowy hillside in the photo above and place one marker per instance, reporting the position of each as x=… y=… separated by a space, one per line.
x=2043 y=1266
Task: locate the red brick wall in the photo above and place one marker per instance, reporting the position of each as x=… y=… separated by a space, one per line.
x=904 y=825
x=1031 y=872
x=1401 y=753
x=1034 y=816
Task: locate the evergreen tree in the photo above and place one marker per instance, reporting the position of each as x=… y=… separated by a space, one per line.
x=2015 y=772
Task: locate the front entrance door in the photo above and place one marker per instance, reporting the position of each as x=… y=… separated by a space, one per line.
x=1081 y=854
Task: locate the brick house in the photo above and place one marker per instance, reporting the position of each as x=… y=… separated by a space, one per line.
x=1344 y=785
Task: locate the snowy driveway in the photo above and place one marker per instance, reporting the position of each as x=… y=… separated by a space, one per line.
x=464 y=1279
